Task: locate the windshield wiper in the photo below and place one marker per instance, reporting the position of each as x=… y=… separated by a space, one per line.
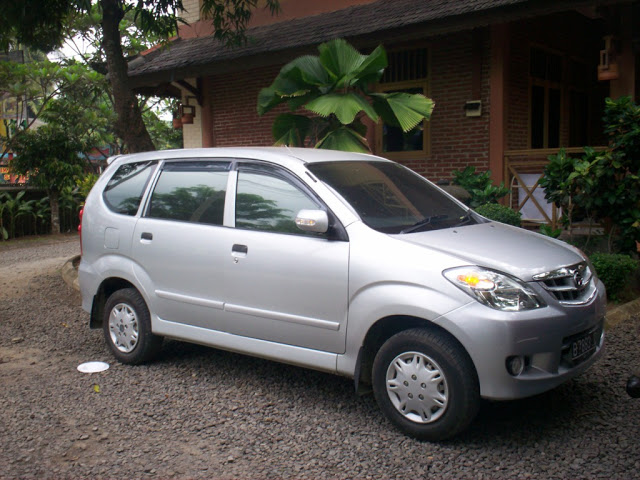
x=464 y=219
x=424 y=222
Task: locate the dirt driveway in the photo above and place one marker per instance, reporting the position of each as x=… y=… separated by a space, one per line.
x=202 y=413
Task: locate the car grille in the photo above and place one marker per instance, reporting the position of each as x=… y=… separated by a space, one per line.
x=571 y=285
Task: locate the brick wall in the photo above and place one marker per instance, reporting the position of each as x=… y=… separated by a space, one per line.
x=456 y=140
x=234 y=104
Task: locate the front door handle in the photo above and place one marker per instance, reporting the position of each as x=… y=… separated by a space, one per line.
x=146 y=236
x=240 y=249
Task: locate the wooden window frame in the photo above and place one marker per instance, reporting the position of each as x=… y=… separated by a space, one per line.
x=424 y=84
x=547 y=85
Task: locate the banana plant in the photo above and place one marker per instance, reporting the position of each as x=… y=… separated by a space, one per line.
x=70 y=200
x=41 y=215
x=16 y=208
x=337 y=89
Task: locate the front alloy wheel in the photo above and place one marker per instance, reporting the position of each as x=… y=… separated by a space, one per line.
x=426 y=384
x=417 y=387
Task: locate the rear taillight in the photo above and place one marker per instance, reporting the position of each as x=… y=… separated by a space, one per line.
x=80 y=228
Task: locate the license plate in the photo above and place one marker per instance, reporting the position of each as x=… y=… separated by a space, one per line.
x=582 y=347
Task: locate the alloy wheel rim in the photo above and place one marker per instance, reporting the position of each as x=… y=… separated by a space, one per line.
x=417 y=387
x=123 y=328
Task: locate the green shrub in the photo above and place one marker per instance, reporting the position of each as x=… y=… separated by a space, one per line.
x=549 y=231
x=615 y=270
x=479 y=186
x=500 y=213
x=85 y=184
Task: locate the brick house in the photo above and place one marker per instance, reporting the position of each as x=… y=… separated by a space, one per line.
x=513 y=80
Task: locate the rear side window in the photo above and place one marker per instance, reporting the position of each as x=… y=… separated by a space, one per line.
x=191 y=192
x=124 y=191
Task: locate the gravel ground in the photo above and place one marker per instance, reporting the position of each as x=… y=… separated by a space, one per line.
x=202 y=413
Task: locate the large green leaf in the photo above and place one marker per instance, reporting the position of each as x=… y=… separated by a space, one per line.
x=311 y=70
x=267 y=99
x=372 y=68
x=405 y=110
x=291 y=130
x=340 y=59
x=345 y=106
x=288 y=84
x=345 y=139
x=296 y=102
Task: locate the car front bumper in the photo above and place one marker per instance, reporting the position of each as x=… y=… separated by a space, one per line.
x=556 y=343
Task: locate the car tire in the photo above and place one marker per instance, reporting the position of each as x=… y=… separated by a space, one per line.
x=127 y=328
x=426 y=384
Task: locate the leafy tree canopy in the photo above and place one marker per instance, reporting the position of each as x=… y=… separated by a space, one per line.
x=44 y=24
x=49 y=157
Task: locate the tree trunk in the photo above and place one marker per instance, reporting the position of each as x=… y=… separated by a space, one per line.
x=55 y=212
x=129 y=125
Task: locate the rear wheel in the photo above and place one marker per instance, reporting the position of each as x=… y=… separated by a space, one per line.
x=425 y=383
x=127 y=327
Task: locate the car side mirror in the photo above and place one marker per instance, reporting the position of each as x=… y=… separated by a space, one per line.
x=315 y=221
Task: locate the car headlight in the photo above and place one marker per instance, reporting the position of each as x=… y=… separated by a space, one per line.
x=494 y=289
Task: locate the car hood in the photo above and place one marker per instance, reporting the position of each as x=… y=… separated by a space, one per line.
x=498 y=246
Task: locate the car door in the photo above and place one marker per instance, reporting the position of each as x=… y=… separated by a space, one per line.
x=178 y=243
x=282 y=284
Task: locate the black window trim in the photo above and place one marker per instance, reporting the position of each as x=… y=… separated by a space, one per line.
x=336 y=231
x=163 y=163
x=153 y=164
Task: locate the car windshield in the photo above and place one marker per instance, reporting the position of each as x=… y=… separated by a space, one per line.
x=391 y=198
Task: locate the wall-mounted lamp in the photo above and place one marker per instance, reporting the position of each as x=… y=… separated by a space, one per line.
x=187 y=112
x=608 y=67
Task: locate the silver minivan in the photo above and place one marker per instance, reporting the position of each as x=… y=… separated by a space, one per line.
x=341 y=262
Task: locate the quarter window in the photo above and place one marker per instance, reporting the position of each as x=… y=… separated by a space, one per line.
x=191 y=192
x=269 y=203
x=124 y=191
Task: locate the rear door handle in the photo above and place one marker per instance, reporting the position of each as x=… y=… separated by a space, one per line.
x=240 y=249
x=146 y=236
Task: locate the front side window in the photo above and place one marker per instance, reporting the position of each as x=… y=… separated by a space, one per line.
x=269 y=202
x=390 y=198
x=124 y=191
x=191 y=192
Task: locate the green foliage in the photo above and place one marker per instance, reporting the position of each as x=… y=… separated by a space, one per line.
x=500 y=213
x=603 y=185
x=85 y=183
x=15 y=207
x=549 y=231
x=49 y=157
x=479 y=186
x=45 y=24
x=162 y=133
x=335 y=87
x=33 y=22
x=615 y=270
x=37 y=84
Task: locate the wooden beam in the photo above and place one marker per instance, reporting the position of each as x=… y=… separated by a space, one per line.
x=196 y=91
x=498 y=83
